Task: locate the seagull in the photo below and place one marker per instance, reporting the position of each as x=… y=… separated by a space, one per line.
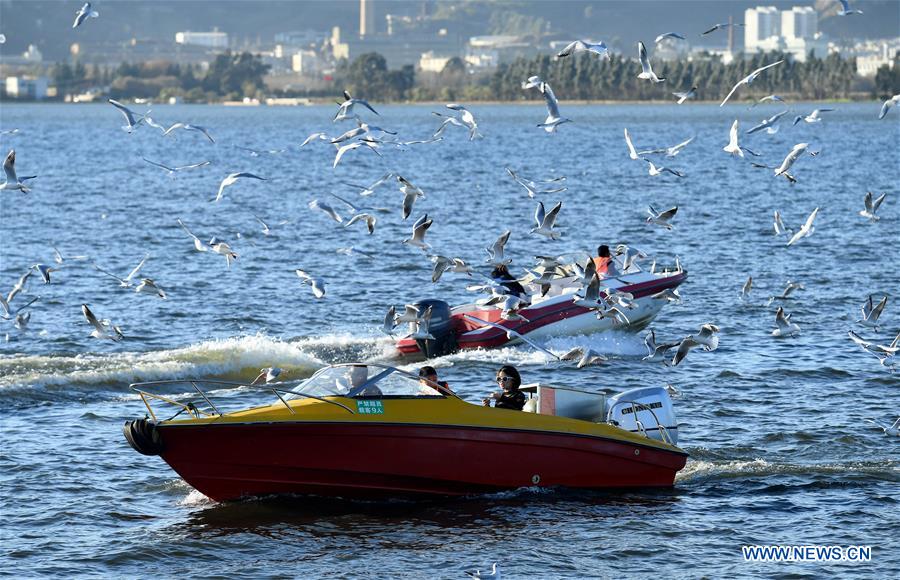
x=669 y=151
x=510 y=334
x=369 y=219
x=189 y=127
x=83 y=14
x=788 y=290
x=390 y=321
x=9 y=313
x=662 y=218
x=129 y=115
x=768 y=98
x=444 y=264
x=172 y=170
x=267 y=375
x=467 y=119
x=598 y=48
x=370 y=189
x=718 y=26
x=883 y=352
x=223 y=249
x=665 y=35
x=329 y=211
x=806 y=229
x=419 y=328
x=231 y=179
x=745 y=289
x=419 y=228
x=361 y=129
x=707 y=337
x=21 y=321
x=553 y=119
x=102 y=328
x=845 y=9
x=632 y=153
x=410 y=194
x=683 y=96
x=447 y=121
x=345 y=111
x=812 y=117
x=747 y=80
x=791 y=157
x=13 y=182
x=479 y=575
x=410 y=314
x=198 y=243
x=534 y=187
x=148 y=286
x=654 y=170
x=733 y=146
x=532 y=82
x=893 y=430
x=496 y=251
x=646 y=69
x=770 y=124
x=585 y=356
x=44 y=270
x=58 y=257
x=351 y=251
x=779 y=225
x=317 y=284
x=783 y=324
x=126 y=281
x=317 y=136
x=870 y=314
x=872 y=206
x=371 y=145
x=886 y=106
x=546 y=220
x=657 y=351
x=669 y=295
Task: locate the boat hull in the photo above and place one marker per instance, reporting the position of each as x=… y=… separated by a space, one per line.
x=378 y=460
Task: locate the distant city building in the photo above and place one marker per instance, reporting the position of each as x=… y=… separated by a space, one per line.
x=366 y=18
x=301 y=38
x=306 y=62
x=214 y=39
x=872 y=56
x=27 y=87
x=800 y=22
x=795 y=31
x=29 y=57
x=429 y=62
x=491 y=51
x=762 y=27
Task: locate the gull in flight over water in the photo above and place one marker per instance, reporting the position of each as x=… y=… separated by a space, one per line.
x=148 y=286
x=733 y=146
x=410 y=194
x=646 y=69
x=102 y=328
x=418 y=237
x=790 y=159
x=707 y=337
x=83 y=14
x=317 y=136
x=872 y=206
x=779 y=225
x=774 y=98
x=885 y=353
x=745 y=289
x=533 y=187
x=465 y=119
x=317 y=284
x=718 y=26
x=598 y=48
x=223 y=249
x=371 y=145
x=510 y=334
x=893 y=430
x=665 y=35
x=657 y=351
x=770 y=124
x=886 y=106
x=345 y=110
x=806 y=229
x=126 y=281
x=198 y=243
x=266 y=375
x=545 y=221
x=654 y=170
x=747 y=80
x=14 y=182
x=661 y=218
x=585 y=356
x=327 y=209
x=783 y=324
x=553 y=119
x=845 y=9
x=370 y=189
x=129 y=115
x=231 y=179
x=369 y=219
x=870 y=313
x=496 y=251
x=172 y=170
x=683 y=96
x=812 y=117
x=444 y=264
x=189 y=127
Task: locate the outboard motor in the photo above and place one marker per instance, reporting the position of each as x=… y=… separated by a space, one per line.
x=440 y=327
x=647 y=411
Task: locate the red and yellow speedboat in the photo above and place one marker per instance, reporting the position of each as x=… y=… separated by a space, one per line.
x=374 y=431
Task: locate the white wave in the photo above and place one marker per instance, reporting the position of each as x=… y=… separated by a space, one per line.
x=232 y=357
x=196 y=499
x=702 y=470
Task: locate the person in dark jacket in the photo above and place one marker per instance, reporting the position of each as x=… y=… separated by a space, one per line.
x=511 y=397
x=502 y=275
x=427 y=379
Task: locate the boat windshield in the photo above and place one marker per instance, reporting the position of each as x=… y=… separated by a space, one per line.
x=361 y=381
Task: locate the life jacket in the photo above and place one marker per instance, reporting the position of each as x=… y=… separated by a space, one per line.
x=602 y=264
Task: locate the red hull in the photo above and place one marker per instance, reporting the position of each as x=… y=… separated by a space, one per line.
x=537 y=317
x=390 y=460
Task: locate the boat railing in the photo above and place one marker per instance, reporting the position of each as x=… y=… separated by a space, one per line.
x=212 y=410
x=635 y=407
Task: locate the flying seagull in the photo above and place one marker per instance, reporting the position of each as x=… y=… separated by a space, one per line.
x=418 y=237
x=791 y=157
x=770 y=124
x=317 y=284
x=662 y=218
x=747 y=80
x=745 y=289
x=371 y=145
x=665 y=35
x=654 y=170
x=870 y=313
x=129 y=115
x=126 y=281
x=172 y=170
x=14 y=182
x=886 y=106
x=327 y=209
x=845 y=9
x=370 y=189
x=646 y=69
x=598 y=48
x=231 y=179
x=872 y=206
x=189 y=127
x=585 y=356
x=545 y=221
x=683 y=96
x=83 y=14
x=718 y=26
x=102 y=328
x=768 y=98
x=267 y=375
x=496 y=251
x=733 y=146
x=553 y=119
x=510 y=334
x=806 y=229
x=812 y=117
x=533 y=187
x=345 y=111
x=779 y=225
x=148 y=286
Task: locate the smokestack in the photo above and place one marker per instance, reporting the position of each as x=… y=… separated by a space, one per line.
x=731 y=34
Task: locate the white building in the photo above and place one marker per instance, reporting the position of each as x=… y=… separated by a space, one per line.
x=27 y=87
x=800 y=22
x=214 y=39
x=795 y=31
x=761 y=25
x=867 y=65
x=429 y=62
x=306 y=62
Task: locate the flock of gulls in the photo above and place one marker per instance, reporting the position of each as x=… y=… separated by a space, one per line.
x=367 y=138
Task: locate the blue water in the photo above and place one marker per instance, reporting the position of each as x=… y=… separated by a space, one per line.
x=780 y=452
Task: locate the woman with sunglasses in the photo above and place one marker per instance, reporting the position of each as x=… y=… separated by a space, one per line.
x=511 y=397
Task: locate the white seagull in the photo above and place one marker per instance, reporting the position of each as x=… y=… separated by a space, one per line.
x=870 y=313
x=747 y=80
x=553 y=119
x=189 y=127
x=665 y=35
x=683 y=96
x=83 y=14
x=126 y=281
x=345 y=111
x=661 y=218
x=173 y=170
x=370 y=189
x=783 y=324
x=806 y=229
x=812 y=117
x=886 y=106
x=148 y=286
x=418 y=237
x=231 y=179
x=733 y=146
x=410 y=194
x=371 y=145
x=707 y=337
x=198 y=243
x=646 y=69
x=534 y=187
x=267 y=375
x=718 y=26
x=102 y=328
x=317 y=284
x=790 y=158
x=745 y=289
x=545 y=221
x=129 y=115
x=893 y=430
x=327 y=209
x=496 y=251
x=779 y=225
x=585 y=356
x=654 y=170
x=598 y=48
x=845 y=9
x=369 y=219
x=872 y=206
x=13 y=182
x=770 y=124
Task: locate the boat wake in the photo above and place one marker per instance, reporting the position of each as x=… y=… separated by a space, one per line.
x=702 y=471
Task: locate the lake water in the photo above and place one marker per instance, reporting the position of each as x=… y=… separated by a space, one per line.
x=780 y=451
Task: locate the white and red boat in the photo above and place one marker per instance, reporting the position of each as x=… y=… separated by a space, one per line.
x=557 y=313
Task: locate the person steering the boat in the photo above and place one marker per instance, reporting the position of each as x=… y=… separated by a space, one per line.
x=606 y=267
x=427 y=379
x=511 y=397
x=504 y=277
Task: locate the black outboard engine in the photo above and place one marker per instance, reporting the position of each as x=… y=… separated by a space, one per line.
x=440 y=327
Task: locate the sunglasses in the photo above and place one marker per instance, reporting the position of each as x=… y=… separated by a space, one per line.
x=504 y=379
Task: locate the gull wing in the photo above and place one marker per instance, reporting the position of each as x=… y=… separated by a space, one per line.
x=539 y=214
x=731 y=92
x=550 y=98
x=550 y=217
x=166 y=167
x=9 y=167
x=642 y=56
x=510 y=333
x=136 y=269
x=631 y=150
